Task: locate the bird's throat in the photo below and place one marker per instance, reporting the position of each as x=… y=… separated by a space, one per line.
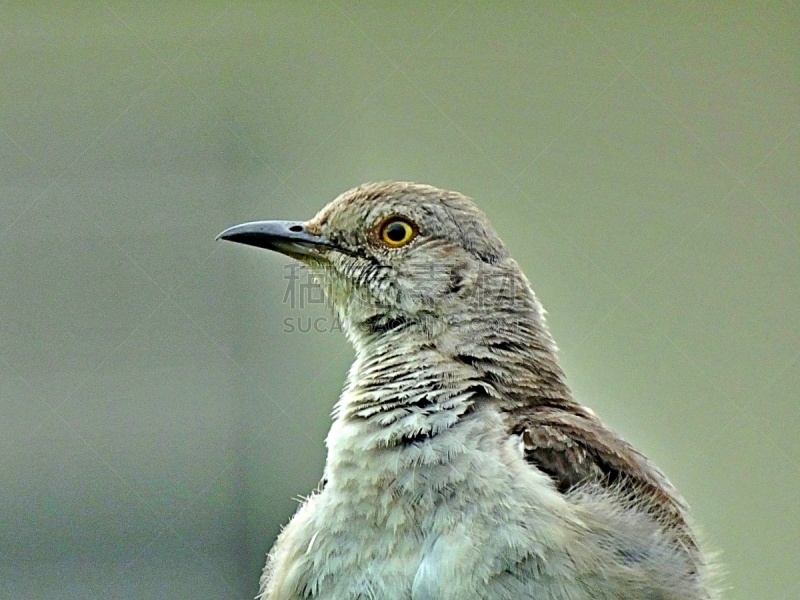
x=411 y=380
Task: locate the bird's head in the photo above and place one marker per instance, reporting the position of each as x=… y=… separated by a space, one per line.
x=396 y=253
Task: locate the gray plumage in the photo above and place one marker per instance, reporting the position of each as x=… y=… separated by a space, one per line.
x=459 y=465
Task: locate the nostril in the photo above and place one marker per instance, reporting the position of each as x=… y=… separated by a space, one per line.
x=296 y=228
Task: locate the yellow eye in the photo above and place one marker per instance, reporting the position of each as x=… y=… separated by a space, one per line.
x=396 y=232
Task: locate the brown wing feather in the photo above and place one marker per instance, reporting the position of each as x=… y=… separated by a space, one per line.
x=572 y=446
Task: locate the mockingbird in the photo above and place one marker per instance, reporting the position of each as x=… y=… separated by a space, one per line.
x=459 y=464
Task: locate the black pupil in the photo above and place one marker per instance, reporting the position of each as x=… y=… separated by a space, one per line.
x=396 y=232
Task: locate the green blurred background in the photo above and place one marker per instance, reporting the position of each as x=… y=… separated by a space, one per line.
x=158 y=423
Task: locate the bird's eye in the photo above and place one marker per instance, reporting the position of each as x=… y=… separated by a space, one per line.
x=396 y=232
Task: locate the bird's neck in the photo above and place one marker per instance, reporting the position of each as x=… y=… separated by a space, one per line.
x=413 y=378
x=423 y=399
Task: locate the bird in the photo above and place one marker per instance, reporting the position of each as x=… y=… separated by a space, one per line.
x=459 y=464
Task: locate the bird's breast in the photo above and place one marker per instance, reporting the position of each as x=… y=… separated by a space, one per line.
x=438 y=519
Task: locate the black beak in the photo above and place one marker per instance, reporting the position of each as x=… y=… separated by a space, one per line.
x=287 y=237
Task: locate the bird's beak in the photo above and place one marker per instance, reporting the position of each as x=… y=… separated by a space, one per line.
x=287 y=237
